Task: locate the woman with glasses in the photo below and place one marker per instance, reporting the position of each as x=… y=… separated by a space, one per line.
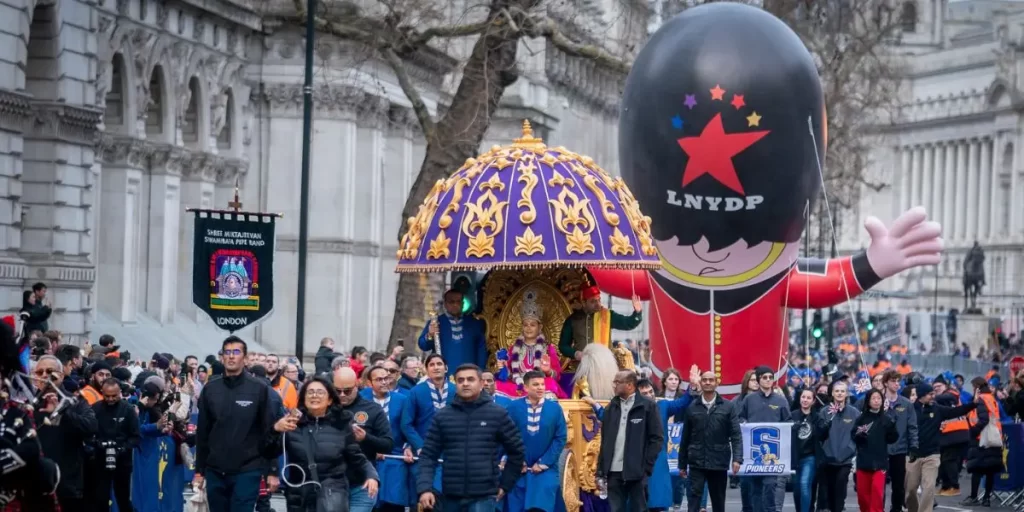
x=318 y=446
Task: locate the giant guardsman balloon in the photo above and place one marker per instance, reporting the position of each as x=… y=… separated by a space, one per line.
x=722 y=140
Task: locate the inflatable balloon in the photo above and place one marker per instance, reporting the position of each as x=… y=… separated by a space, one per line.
x=722 y=137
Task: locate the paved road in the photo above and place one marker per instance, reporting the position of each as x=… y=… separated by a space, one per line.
x=732 y=502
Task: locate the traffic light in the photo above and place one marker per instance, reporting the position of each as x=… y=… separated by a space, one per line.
x=816 y=326
x=467 y=282
x=870 y=326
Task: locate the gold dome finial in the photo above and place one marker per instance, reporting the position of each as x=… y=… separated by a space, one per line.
x=528 y=140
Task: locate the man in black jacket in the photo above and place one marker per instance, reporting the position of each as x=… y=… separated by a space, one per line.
x=923 y=463
x=371 y=428
x=63 y=436
x=712 y=428
x=632 y=425
x=469 y=433
x=324 y=356
x=235 y=412
x=116 y=438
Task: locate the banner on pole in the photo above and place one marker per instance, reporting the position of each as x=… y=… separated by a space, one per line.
x=766 y=449
x=675 y=435
x=1013 y=458
x=233 y=266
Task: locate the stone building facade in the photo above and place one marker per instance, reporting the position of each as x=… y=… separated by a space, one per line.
x=956 y=150
x=117 y=115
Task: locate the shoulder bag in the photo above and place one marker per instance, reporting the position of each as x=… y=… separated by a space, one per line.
x=327 y=499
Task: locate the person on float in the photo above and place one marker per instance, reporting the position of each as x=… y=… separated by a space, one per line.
x=722 y=141
x=542 y=427
x=529 y=352
x=462 y=336
x=593 y=323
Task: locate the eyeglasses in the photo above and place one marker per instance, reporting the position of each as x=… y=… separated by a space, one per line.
x=233 y=352
x=345 y=391
x=768 y=377
x=382 y=380
x=317 y=392
x=392 y=370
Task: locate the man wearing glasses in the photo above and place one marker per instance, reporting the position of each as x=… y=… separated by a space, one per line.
x=764 y=406
x=393 y=470
x=370 y=425
x=631 y=425
x=235 y=412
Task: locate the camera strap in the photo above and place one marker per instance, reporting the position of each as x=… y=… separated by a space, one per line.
x=307 y=439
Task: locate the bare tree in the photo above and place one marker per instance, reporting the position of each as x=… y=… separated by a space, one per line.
x=849 y=43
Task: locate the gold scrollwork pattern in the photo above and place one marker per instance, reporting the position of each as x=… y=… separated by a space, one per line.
x=418 y=224
x=529 y=243
x=484 y=219
x=640 y=223
x=607 y=208
x=528 y=177
x=559 y=290
x=570 y=484
x=588 y=467
x=439 y=247
x=620 y=243
x=460 y=183
x=574 y=220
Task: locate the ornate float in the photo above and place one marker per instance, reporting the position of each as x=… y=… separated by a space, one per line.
x=534 y=217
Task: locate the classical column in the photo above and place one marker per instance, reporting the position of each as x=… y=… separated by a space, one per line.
x=948 y=189
x=906 y=161
x=928 y=176
x=163 y=271
x=970 y=232
x=198 y=177
x=367 y=237
x=917 y=176
x=120 y=226
x=960 y=194
x=985 y=199
x=995 y=218
x=15 y=115
x=938 y=173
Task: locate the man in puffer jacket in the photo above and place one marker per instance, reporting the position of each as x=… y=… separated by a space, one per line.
x=470 y=432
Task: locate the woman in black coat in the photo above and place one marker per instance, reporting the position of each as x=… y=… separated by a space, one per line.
x=873 y=432
x=983 y=462
x=318 y=446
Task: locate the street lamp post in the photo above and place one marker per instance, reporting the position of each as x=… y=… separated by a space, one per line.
x=307 y=133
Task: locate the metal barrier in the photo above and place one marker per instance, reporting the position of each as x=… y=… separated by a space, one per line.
x=933 y=364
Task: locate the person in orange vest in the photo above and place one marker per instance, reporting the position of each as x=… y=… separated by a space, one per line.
x=904 y=367
x=284 y=387
x=92 y=392
x=984 y=462
x=954 y=439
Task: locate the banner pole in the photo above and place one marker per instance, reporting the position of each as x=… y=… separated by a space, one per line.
x=307 y=124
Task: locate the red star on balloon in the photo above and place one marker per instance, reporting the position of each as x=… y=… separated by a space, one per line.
x=711 y=153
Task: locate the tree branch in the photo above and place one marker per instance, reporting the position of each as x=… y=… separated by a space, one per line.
x=546 y=28
x=409 y=88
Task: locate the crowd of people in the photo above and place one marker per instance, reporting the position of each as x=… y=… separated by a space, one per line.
x=367 y=431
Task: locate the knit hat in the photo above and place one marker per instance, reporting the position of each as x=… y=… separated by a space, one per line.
x=923 y=388
x=122 y=374
x=762 y=370
x=100 y=365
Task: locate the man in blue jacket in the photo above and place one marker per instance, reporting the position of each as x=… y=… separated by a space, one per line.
x=461 y=336
x=470 y=434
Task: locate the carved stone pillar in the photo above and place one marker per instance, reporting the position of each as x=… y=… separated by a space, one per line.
x=960 y=202
x=970 y=232
x=120 y=228
x=198 y=175
x=906 y=166
x=15 y=115
x=164 y=220
x=928 y=176
x=948 y=188
x=938 y=177
x=984 y=189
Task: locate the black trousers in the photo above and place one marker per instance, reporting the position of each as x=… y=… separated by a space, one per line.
x=626 y=496
x=121 y=481
x=717 y=481
x=837 y=479
x=951 y=461
x=898 y=480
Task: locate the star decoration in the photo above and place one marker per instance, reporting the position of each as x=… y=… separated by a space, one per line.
x=753 y=119
x=737 y=101
x=717 y=92
x=677 y=122
x=691 y=101
x=711 y=153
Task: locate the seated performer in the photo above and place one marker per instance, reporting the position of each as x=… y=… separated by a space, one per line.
x=462 y=336
x=529 y=352
x=592 y=324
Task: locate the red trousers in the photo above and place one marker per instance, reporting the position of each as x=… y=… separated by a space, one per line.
x=871 y=490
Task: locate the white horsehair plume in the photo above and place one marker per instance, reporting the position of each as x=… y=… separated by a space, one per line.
x=599 y=366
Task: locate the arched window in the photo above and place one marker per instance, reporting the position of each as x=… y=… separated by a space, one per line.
x=114 y=108
x=155 y=108
x=908 y=17
x=190 y=131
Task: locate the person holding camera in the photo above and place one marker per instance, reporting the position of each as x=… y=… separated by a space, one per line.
x=117 y=435
x=64 y=425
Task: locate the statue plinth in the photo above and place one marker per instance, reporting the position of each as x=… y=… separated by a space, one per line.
x=972 y=329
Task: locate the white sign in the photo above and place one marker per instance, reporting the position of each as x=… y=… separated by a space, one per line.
x=767 y=449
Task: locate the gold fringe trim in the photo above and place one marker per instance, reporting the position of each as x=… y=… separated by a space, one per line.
x=403 y=268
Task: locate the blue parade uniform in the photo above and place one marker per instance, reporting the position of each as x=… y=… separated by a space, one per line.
x=659 y=485
x=394 y=473
x=462 y=341
x=502 y=399
x=424 y=402
x=157 y=480
x=543 y=430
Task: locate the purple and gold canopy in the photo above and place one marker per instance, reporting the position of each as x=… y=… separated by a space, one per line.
x=528 y=205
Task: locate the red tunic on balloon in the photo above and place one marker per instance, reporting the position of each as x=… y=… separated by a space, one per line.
x=722 y=139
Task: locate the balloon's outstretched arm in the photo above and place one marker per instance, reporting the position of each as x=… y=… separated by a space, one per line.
x=816 y=283
x=623 y=283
